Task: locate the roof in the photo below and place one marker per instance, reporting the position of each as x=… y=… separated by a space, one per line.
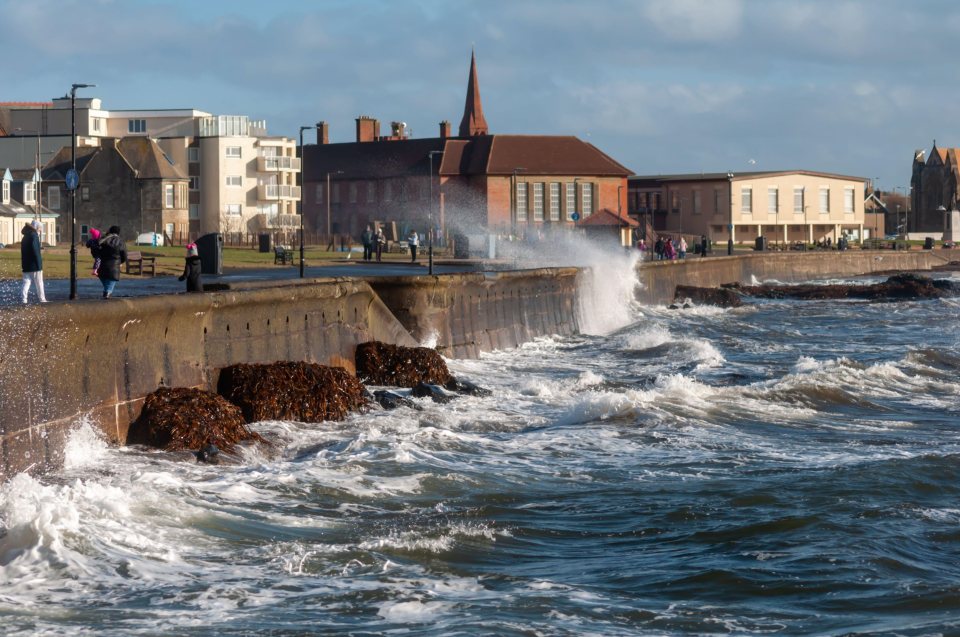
x=56 y=169
x=475 y=156
x=473 y=122
x=607 y=217
x=740 y=176
x=147 y=158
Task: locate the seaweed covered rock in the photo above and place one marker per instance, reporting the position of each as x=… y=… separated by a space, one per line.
x=305 y=392
x=384 y=364
x=721 y=297
x=466 y=387
x=181 y=419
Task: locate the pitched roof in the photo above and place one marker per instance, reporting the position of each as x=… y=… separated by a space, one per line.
x=56 y=169
x=473 y=122
x=607 y=217
x=549 y=155
x=147 y=158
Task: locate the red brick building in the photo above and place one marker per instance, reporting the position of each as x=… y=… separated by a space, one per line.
x=473 y=182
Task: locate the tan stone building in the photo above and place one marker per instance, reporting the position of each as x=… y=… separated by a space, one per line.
x=783 y=206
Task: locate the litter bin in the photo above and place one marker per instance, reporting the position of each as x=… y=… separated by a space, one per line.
x=461 y=246
x=265 y=242
x=761 y=244
x=928 y=243
x=210 y=251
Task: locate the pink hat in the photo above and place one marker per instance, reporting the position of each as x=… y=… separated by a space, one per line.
x=94 y=233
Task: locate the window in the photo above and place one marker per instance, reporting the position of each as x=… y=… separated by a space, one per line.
x=571 y=198
x=29 y=192
x=318 y=193
x=388 y=191
x=234 y=181
x=6 y=192
x=521 y=201
x=193 y=154
x=798 y=203
x=335 y=193
x=716 y=201
x=697 y=208
x=773 y=200
x=371 y=192
x=586 y=199
x=233 y=209
x=136 y=126
x=538 y=202
x=84 y=193
x=746 y=199
x=233 y=151
x=53 y=197
x=353 y=192
x=194 y=183
x=168 y=195
x=824 y=199
x=848 y=199
x=97 y=122
x=194 y=211
x=555 y=201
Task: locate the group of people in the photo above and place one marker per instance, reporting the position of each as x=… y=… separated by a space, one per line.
x=667 y=249
x=109 y=252
x=374 y=242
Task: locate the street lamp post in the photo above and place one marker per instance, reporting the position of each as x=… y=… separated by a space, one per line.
x=302 y=183
x=430 y=156
x=73 y=190
x=730 y=224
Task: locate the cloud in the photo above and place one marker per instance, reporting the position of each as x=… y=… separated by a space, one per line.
x=694 y=20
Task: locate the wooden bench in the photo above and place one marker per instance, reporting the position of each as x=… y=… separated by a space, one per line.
x=282 y=256
x=136 y=260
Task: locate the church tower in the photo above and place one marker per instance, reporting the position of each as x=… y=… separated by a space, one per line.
x=473 y=122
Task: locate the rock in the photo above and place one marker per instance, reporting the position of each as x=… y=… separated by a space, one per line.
x=722 y=297
x=305 y=392
x=397 y=366
x=466 y=387
x=183 y=419
x=392 y=400
x=900 y=286
x=435 y=392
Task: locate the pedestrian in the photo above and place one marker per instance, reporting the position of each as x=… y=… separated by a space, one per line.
x=682 y=248
x=669 y=254
x=367 y=240
x=31 y=261
x=113 y=252
x=94 y=244
x=658 y=248
x=413 y=241
x=380 y=241
x=191 y=269
x=703 y=245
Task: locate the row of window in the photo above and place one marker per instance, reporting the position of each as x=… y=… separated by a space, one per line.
x=552 y=204
x=231 y=152
x=799 y=199
x=356 y=191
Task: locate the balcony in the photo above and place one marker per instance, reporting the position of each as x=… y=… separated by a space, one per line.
x=274 y=164
x=263 y=221
x=273 y=192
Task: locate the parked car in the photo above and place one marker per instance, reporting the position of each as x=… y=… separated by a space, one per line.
x=149 y=239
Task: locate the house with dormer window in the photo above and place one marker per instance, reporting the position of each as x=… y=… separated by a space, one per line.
x=19 y=205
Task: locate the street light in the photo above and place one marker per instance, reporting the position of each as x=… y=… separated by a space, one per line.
x=36 y=168
x=72 y=183
x=302 y=183
x=730 y=224
x=430 y=213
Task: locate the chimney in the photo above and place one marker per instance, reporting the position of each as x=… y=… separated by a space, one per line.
x=398 y=130
x=445 y=129
x=368 y=129
x=323 y=133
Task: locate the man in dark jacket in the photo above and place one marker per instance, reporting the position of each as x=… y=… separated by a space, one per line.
x=113 y=252
x=30 y=260
x=367 y=240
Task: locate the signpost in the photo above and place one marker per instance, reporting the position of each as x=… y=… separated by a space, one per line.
x=72 y=179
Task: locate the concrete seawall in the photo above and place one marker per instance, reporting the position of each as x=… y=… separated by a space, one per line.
x=659 y=279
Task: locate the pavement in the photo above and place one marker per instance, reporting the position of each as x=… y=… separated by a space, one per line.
x=89 y=287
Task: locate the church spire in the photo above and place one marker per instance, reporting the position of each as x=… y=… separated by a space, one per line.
x=473 y=122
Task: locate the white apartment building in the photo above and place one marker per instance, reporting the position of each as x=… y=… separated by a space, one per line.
x=241 y=179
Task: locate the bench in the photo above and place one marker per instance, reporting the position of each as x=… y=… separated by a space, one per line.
x=141 y=263
x=282 y=256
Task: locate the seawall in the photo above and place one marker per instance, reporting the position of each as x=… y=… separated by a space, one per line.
x=659 y=279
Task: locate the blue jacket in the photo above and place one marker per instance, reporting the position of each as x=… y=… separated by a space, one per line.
x=30 y=259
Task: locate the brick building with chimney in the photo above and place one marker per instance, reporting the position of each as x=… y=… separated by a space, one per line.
x=473 y=182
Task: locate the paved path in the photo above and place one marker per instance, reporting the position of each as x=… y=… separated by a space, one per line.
x=89 y=287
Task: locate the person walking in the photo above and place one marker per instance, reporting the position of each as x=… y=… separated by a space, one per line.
x=380 y=241
x=413 y=241
x=113 y=252
x=367 y=240
x=658 y=248
x=682 y=248
x=31 y=261
x=94 y=244
x=191 y=269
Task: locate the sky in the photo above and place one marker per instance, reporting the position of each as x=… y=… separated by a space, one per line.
x=662 y=86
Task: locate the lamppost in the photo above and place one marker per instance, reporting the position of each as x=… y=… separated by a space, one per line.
x=302 y=182
x=430 y=156
x=730 y=224
x=36 y=169
x=72 y=182
x=329 y=197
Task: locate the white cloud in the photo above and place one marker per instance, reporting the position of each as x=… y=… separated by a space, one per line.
x=695 y=20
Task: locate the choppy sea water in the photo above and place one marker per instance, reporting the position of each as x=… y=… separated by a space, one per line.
x=782 y=468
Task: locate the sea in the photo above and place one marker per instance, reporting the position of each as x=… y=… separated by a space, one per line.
x=782 y=468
